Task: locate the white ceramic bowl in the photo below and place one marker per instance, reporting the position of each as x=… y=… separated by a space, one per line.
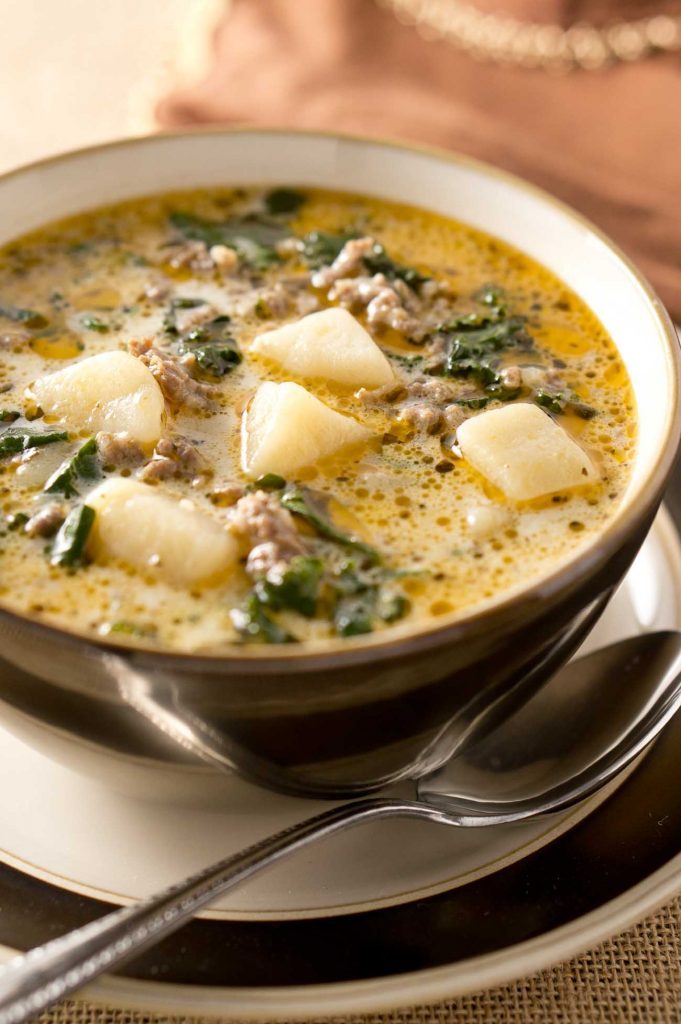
x=334 y=721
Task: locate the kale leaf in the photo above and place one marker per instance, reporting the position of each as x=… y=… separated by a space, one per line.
x=378 y=262
x=93 y=323
x=28 y=317
x=559 y=402
x=255 y=626
x=283 y=200
x=361 y=597
x=474 y=342
x=270 y=482
x=216 y=351
x=296 y=590
x=68 y=548
x=321 y=248
x=20 y=439
x=83 y=466
x=303 y=502
x=252 y=236
x=181 y=302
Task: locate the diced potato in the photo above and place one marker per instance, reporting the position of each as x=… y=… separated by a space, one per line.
x=523 y=452
x=112 y=391
x=286 y=428
x=331 y=345
x=155 y=534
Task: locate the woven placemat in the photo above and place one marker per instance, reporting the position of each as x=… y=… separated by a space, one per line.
x=634 y=978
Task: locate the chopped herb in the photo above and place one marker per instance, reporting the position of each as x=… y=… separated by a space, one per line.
x=69 y=544
x=559 y=402
x=255 y=625
x=170 y=319
x=321 y=248
x=93 y=323
x=401 y=360
x=554 y=401
x=361 y=597
x=392 y=606
x=283 y=200
x=9 y=415
x=474 y=341
x=83 y=466
x=297 y=590
x=253 y=236
x=378 y=262
x=19 y=439
x=28 y=317
x=479 y=344
x=303 y=502
x=353 y=615
x=270 y=482
x=187 y=302
x=494 y=296
x=216 y=351
x=474 y=402
x=131 y=628
x=16 y=520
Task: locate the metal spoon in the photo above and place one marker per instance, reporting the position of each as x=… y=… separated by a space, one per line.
x=574 y=735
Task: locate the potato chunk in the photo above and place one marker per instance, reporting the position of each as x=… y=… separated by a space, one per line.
x=286 y=428
x=523 y=452
x=112 y=391
x=158 y=535
x=331 y=345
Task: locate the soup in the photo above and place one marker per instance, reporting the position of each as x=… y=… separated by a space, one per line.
x=247 y=416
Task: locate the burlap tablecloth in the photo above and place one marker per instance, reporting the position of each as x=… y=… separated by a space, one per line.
x=634 y=978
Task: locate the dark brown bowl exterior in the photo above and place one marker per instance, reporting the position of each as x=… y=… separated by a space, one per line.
x=330 y=724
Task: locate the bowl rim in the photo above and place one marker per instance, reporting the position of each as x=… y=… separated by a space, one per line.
x=536 y=595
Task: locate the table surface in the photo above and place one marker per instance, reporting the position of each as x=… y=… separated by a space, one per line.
x=128 y=53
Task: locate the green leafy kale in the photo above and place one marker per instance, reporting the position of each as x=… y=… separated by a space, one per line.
x=83 y=466
x=474 y=342
x=181 y=302
x=283 y=200
x=20 y=439
x=255 y=625
x=253 y=236
x=28 y=317
x=216 y=351
x=303 y=502
x=68 y=548
x=321 y=248
x=558 y=402
x=378 y=262
x=93 y=323
x=9 y=415
x=270 y=482
x=361 y=597
x=296 y=590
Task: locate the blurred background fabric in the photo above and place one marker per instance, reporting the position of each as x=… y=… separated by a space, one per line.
x=608 y=142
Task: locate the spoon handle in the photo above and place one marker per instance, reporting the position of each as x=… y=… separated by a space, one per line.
x=31 y=982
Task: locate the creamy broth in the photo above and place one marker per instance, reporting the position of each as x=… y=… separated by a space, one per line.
x=395 y=526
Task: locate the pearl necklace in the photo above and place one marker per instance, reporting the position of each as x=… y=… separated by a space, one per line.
x=507 y=40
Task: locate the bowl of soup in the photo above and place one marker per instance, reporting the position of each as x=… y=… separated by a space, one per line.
x=314 y=450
